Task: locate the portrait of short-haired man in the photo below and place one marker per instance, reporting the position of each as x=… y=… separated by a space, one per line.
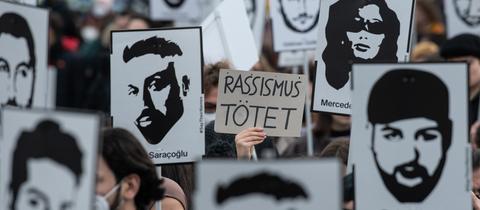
x=300 y=16
x=366 y=30
x=17 y=70
x=154 y=90
x=411 y=132
x=45 y=149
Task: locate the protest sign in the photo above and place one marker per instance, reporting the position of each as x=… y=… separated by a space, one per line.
x=409 y=136
x=273 y=101
x=367 y=31
x=48 y=159
x=156 y=91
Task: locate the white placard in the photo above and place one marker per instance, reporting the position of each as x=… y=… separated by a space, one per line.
x=367 y=31
x=294 y=24
x=178 y=10
x=23 y=71
x=156 y=91
x=48 y=159
x=227 y=36
x=409 y=136
x=462 y=16
x=28 y=2
x=268 y=185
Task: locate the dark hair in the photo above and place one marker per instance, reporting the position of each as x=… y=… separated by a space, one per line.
x=17 y=26
x=407 y=93
x=337 y=148
x=152 y=45
x=210 y=74
x=46 y=141
x=125 y=155
x=338 y=52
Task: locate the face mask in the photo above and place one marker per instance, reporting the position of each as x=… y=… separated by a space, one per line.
x=209 y=117
x=89 y=33
x=101 y=202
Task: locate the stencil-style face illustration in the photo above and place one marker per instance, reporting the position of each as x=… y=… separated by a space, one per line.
x=251 y=7
x=300 y=15
x=365 y=40
x=262 y=183
x=367 y=30
x=153 y=87
x=409 y=142
x=39 y=165
x=17 y=69
x=174 y=3
x=468 y=11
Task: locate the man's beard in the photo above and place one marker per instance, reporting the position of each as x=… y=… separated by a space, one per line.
x=160 y=123
x=417 y=193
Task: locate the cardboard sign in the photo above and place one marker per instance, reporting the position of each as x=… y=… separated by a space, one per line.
x=409 y=136
x=268 y=185
x=294 y=24
x=367 y=31
x=23 y=71
x=462 y=16
x=48 y=159
x=227 y=36
x=156 y=91
x=178 y=10
x=272 y=101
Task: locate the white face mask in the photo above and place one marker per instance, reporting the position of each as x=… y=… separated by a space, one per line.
x=209 y=117
x=90 y=33
x=101 y=202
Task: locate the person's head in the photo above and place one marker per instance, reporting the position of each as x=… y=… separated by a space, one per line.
x=210 y=82
x=126 y=177
x=338 y=148
x=138 y=22
x=476 y=171
x=465 y=47
x=367 y=30
x=300 y=16
x=154 y=89
x=43 y=158
x=411 y=131
x=17 y=68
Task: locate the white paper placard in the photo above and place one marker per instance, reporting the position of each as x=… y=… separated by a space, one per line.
x=409 y=136
x=156 y=91
x=268 y=185
x=365 y=32
x=24 y=81
x=227 y=36
x=462 y=16
x=28 y=2
x=48 y=159
x=178 y=10
x=273 y=101
x=294 y=24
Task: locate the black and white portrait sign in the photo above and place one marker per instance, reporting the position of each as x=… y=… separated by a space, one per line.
x=156 y=91
x=366 y=31
x=227 y=36
x=280 y=185
x=48 y=159
x=409 y=136
x=462 y=16
x=178 y=10
x=294 y=24
x=23 y=71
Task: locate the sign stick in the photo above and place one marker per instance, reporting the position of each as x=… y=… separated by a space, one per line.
x=254 y=154
x=307 y=108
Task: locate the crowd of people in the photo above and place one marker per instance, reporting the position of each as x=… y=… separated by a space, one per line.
x=79 y=50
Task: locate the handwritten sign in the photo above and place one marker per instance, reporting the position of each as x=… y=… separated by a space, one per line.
x=273 y=101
